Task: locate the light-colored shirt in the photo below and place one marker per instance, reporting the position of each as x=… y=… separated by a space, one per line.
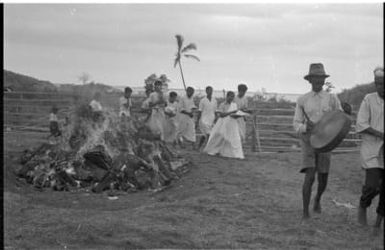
x=96 y=106
x=225 y=107
x=315 y=106
x=53 y=117
x=371 y=114
x=156 y=97
x=208 y=109
x=186 y=104
x=242 y=102
x=124 y=108
x=172 y=107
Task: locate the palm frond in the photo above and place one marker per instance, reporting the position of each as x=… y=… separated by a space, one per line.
x=192 y=56
x=189 y=47
x=179 y=41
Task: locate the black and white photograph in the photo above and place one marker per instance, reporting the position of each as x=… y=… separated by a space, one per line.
x=183 y=125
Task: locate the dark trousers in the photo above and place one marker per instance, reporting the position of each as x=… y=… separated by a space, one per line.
x=373 y=187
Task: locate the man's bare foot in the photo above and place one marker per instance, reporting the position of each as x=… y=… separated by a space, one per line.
x=317 y=207
x=362 y=216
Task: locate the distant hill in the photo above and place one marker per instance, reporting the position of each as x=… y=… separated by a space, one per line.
x=19 y=82
x=355 y=95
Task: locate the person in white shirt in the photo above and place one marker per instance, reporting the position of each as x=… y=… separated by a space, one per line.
x=54 y=122
x=370 y=124
x=313 y=105
x=95 y=103
x=187 y=107
x=125 y=109
x=206 y=115
x=242 y=103
x=96 y=108
x=171 y=111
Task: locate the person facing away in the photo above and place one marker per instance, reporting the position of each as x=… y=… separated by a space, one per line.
x=157 y=103
x=370 y=124
x=225 y=137
x=206 y=115
x=171 y=111
x=313 y=105
x=186 y=117
x=242 y=103
x=54 y=122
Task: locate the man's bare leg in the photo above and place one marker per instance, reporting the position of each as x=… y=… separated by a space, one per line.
x=377 y=225
x=322 y=183
x=306 y=191
x=362 y=218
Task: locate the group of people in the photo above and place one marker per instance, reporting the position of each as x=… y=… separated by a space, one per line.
x=175 y=119
x=310 y=109
x=223 y=130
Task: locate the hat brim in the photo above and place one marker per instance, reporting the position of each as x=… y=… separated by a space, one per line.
x=307 y=76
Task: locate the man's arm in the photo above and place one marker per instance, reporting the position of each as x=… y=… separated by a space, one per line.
x=299 y=118
x=363 y=118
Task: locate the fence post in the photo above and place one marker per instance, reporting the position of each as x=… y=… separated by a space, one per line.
x=253 y=139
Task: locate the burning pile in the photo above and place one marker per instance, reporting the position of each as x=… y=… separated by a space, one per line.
x=95 y=151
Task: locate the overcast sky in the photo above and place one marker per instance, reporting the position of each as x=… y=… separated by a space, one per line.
x=264 y=46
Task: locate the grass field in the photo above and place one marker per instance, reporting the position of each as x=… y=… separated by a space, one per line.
x=221 y=203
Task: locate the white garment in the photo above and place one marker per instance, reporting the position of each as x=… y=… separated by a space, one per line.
x=225 y=138
x=96 y=106
x=124 y=108
x=186 y=123
x=371 y=114
x=242 y=103
x=315 y=106
x=157 y=120
x=207 y=109
x=171 y=128
x=53 y=117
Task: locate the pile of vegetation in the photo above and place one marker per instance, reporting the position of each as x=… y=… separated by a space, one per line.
x=96 y=152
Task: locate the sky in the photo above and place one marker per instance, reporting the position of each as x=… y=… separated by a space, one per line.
x=266 y=46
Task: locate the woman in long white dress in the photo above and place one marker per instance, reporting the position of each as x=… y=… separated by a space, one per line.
x=225 y=138
x=157 y=103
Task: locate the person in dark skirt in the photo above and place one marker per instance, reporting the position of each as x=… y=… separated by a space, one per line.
x=54 y=123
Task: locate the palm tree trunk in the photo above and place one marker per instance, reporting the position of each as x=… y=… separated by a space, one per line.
x=181 y=72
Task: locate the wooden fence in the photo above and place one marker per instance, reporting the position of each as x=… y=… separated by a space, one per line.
x=269 y=129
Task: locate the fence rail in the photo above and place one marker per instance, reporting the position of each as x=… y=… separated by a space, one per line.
x=268 y=129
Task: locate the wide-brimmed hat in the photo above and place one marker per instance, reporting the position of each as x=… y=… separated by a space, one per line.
x=316 y=69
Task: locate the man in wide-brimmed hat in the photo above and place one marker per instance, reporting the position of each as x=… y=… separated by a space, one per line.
x=370 y=124
x=309 y=110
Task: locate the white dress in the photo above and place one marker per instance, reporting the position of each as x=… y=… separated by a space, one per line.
x=186 y=128
x=207 y=109
x=225 y=138
x=157 y=120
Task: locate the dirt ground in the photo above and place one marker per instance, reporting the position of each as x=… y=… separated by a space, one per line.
x=221 y=203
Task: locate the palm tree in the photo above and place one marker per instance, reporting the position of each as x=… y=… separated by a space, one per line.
x=182 y=52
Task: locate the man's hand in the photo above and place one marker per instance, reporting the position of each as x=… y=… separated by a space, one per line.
x=309 y=126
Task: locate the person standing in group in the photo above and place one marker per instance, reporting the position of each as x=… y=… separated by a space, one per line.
x=157 y=103
x=225 y=137
x=186 y=118
x=125 y=108
x=309 y=109
x=206 y=115
x=370 y=124
x=171 y=111
x=96 y=108
x=242 y=103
